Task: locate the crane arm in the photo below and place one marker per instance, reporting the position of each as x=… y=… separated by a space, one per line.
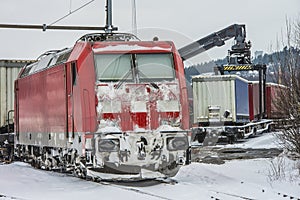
x=236 y=31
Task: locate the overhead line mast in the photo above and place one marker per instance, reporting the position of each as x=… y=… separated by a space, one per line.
x=109 y=27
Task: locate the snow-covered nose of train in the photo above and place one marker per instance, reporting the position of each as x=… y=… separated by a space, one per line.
x=144 y=106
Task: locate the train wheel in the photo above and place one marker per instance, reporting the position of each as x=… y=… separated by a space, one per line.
x=80 y=171
x=232 y=138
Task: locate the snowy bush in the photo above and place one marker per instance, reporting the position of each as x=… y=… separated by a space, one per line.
x=277 y=169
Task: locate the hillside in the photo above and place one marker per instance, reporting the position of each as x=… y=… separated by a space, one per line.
x=273 y=61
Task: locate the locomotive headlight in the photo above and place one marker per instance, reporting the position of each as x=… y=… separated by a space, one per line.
x=108 y=145
x=177 y=143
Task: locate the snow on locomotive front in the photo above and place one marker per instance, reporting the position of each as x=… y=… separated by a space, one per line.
x=142 y=114
x=107 y=108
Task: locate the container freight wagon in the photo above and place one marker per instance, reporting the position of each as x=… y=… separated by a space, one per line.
x=9 y=70
x=223 y=109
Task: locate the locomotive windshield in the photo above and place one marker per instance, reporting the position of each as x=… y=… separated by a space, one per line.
x=134 y=67
x=113 y=66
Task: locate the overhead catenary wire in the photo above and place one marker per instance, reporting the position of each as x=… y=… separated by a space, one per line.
x=44 y=27
x=71 y=12
x=108 y=28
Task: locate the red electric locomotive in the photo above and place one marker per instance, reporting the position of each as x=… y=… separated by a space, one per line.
x=110 y=107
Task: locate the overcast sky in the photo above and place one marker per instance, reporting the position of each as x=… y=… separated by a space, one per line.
x=179 y=20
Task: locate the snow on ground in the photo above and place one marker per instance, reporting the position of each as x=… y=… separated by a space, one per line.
x=236 y=179
x=21 y=181
x=267 y=140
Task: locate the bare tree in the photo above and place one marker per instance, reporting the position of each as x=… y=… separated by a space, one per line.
x=288 y=101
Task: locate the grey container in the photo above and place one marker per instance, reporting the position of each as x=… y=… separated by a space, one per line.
x=9 y=70
x=220 y=99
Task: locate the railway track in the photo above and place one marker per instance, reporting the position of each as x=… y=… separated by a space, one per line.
x=218 y=155
x=7 y=197
x=134 y=189
x=220 y=195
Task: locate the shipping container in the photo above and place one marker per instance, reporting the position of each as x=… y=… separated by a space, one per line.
x=220 y=99
x=254 y=104
x=9 y=70
x=273 y=93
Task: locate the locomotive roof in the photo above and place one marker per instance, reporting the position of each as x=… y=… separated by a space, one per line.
x=49 y=58
x=133 y=46
x=100 y=43
x=123 y=42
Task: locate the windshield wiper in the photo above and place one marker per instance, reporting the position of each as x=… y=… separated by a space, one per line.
x=120 y=83
x=151 y=83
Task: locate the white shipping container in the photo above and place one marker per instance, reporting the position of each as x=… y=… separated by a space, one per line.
x=9 y=70
x=220 y=99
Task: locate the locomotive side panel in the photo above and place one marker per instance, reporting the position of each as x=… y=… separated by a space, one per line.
x=42 y=100
x=83 y=89
x=179 y=69
x=87 y=81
